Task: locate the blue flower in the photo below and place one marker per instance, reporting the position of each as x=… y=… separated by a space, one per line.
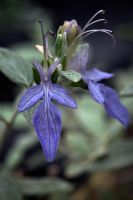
x=46 y=117
x=101 y=93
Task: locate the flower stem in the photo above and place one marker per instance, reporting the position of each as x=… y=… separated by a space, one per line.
x=6 y=132
x=2 y=119
x=45 y=43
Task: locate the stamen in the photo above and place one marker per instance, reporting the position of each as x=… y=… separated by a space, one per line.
x=96 y=21
x=108 y=32
x=89 y=32
x=97 y=13
x=90 y=20
x=93 y=30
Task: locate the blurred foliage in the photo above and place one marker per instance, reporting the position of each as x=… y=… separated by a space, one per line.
x=93 y=133
x=27 y=51
x=14 y=188
x=17 y=152
x=125 y=31
x=43 y=186
x=9 y=188
x=15 y=14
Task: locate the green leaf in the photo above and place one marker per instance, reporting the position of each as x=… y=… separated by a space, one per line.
x=16 y=68
x=120 y=155
x=117 y=156
x=86 y=149
x=77 y=143
x=93 y=118
x=87 y=136
x=17 y=152
x=74 y=169
x=9 y=189
x=27 y=51
x=127 y=92
x=7 y=110
x=44 y=186
x=71 y=75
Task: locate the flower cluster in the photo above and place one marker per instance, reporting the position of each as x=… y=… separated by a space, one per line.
x=68 y=56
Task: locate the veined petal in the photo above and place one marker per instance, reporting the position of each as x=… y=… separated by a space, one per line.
x=30 y=97
x=113 y=105
x=47 y=123
x=40 y=70
x=80 y=60
x=95 y=92
x=53 y=67
x=96 y=75
x=62 y=96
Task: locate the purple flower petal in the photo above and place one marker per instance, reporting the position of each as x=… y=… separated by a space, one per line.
x=53 y=67
x=113 y=105
x=80 y=60
x=40 y=69
x=95 y=92
x=47 y=123
x=62 y=96
x=109 y=98
x=30 y=97
x=96 y=75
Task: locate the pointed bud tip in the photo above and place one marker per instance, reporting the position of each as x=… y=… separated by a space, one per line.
x=71 y=29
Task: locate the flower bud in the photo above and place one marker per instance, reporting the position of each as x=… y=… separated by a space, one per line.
x=58 y=45
x=71 y=29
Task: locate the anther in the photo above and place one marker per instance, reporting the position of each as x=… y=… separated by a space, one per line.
x=103 y=12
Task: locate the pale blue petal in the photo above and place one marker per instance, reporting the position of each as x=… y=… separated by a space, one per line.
x=53 y=67
x=113 y=105
x=47 y=123
x=96 y=75
x=40 y=69
x=79 y=60
x=109 y=98
x=62 y=96
x=95 y=92
x=30 y=97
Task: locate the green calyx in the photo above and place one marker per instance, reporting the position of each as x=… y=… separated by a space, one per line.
x=72 y=30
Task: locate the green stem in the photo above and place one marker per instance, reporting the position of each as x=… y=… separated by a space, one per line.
x=126 y=95
x=2 y=119
x=8 y=126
